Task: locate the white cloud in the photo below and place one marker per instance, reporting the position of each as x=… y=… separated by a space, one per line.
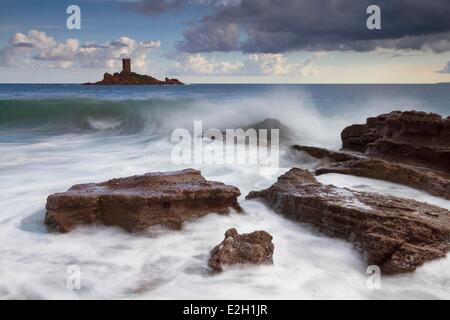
x=34 y=38
x=253 y=65
x=445 y=69
x=66 y=51
x=277 y=65
x=37 y=49
x=150 y=44
x=197 y=64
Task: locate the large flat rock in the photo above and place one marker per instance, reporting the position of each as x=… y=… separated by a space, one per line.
x=396 y=234
x=138 y=202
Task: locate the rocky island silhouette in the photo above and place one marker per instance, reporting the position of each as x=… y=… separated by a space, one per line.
x=126 y=77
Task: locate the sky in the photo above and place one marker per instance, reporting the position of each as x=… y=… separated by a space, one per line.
x=227 y=41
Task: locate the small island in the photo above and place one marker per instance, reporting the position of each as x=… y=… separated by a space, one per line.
x=126 y=77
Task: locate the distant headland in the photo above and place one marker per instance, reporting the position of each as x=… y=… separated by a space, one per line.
x=126 y=77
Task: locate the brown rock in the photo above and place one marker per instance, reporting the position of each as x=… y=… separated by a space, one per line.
x=248 y=248
x=138 y=202
x=327 y=155
x=434 y=182
x=132 y=78
x=172 y=81
x=411 y=137
x=397 y=234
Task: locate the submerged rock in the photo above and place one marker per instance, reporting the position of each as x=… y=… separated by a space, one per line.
x=263 y=137
x=138 y=202
x=397 y=234
x=412 y=137
x=285 y=132
x=248 y=248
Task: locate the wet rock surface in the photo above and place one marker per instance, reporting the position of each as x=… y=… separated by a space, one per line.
x=396 y=234
x=412 y=137
x=138 y=202
x=326 y=154
x=249 y=248
x=434 y=182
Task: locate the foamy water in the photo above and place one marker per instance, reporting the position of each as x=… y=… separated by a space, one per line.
x=163 y=264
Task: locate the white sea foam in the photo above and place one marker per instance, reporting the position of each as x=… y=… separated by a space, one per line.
x=104 y=124
x=166 y=264
x=169 y=264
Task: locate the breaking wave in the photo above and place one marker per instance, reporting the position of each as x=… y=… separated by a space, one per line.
x=158 y=116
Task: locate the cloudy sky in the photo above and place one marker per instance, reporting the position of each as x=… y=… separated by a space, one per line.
x=236 y=41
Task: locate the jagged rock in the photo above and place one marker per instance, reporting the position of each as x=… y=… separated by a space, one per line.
x=434 y=182
x=172 y=81
x=411 y=137
x=247 y=248
x=397 y=234
x=138 y=202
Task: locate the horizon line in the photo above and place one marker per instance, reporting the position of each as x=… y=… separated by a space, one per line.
x=242 y=83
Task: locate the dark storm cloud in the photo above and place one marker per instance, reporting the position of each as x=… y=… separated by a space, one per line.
x=156 y=7
x=273 y=26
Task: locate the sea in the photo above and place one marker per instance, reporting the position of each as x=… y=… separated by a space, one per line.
x=55 y=136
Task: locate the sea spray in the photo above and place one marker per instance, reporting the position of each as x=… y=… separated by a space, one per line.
x=48 y=145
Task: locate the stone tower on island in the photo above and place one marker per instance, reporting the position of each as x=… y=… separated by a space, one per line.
x=126 y=66
x=126 y=77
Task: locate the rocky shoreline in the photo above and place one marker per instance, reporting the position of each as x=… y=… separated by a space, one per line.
x=410 y=148
x=416 y=138
x=396 y=234
x=126 y=77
